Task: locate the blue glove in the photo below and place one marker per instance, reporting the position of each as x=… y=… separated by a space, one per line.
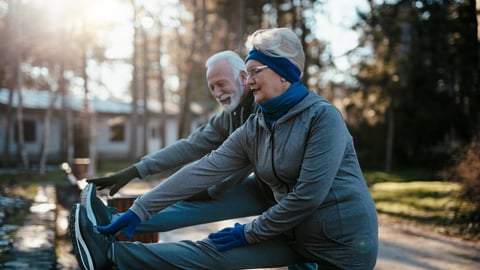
x=229 y=238
x=128 y=219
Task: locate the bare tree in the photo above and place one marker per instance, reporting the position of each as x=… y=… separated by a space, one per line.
x=145 y=85
x=22 y=152
x=134 y=89
x=194 y=67
x=47 y=120
x=8 y=126
x=19 y=85
x=161 y=92
x=11 y=77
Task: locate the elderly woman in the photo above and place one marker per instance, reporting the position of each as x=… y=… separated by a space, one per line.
x=299 y=147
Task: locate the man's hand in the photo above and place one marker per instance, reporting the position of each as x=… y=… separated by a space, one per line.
x=116 y=180
x=229 y=238
x=128 y=219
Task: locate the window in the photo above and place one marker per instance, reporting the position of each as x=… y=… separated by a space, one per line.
x=29 y=131
x=153 y=133
x=117 y=132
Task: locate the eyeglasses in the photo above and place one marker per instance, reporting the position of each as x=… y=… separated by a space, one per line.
x=253 y=72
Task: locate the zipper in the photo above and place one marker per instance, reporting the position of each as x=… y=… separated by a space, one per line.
x=272 y=143
x=291 y=233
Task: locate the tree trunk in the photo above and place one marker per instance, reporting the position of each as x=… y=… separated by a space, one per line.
x=46 y=133
x=195 y=47
x=9 y=117
x=161 y=89
x=134 y=114
x=390 y=135
x=92 y=146
x=145 y=92
x=70 y=140
x=12 y=56
x=20 y=130
x=19 y=84
x=66 y=123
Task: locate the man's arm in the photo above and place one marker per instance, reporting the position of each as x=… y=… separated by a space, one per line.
x=202 y=141
x=199 y=143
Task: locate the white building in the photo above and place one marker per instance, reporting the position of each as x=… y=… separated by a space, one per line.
x=111 y=126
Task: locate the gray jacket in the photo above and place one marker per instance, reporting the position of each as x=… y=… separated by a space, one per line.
x=308 y=160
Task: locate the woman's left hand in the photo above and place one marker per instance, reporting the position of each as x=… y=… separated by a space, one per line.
x=230 y=237
x=128 y=219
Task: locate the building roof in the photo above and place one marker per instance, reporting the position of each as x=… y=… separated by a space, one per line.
x=34 y=99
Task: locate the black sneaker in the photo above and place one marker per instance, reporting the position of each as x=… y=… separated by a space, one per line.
x=97 y=212
x=90 y=247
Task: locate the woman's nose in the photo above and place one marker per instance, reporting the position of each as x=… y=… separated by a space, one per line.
x=250 y=80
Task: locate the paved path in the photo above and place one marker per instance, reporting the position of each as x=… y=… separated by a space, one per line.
x=402 y=247
x=406 y=247
x=34 y=244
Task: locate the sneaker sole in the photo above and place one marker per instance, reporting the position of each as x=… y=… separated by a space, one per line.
x=81 y=251
x=86 y=201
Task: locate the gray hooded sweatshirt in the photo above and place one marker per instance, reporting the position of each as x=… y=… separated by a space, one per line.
x=307 y=159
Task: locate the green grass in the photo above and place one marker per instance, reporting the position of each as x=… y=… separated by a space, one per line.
x=373 y=177
x=433 y=204
x=27 y=178
x=421 y=201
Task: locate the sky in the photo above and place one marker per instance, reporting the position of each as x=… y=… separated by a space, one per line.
x=334 y=27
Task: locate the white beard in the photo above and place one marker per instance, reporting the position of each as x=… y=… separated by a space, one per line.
x=234 y=101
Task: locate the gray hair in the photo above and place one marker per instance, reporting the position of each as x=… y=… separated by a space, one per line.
x=235 y=62
x=279 y=42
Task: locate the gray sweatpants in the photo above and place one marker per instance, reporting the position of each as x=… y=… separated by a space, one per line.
x=244 y=199
x=196 y=255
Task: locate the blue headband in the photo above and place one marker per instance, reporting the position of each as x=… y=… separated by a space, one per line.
x=280 y=65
